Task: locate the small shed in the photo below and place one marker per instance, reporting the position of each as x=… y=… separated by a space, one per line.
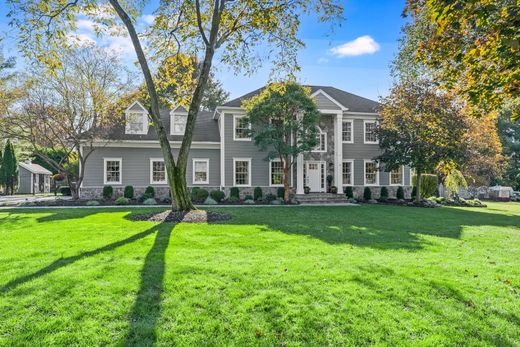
x=500 y=193
x=33 y=178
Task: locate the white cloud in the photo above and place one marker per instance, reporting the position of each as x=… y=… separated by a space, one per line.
x=85 y=24
x=80 y=40
x=323 y=60
x=121 y=45
x=362 y=45
x=148 y=19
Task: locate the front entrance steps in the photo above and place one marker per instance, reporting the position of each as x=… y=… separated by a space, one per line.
x=321 y=198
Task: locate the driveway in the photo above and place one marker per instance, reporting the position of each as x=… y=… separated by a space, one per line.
x=14 y=200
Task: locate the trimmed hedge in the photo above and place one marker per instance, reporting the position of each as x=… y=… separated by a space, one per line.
x=349 y=192
x=121 y=201
x=234 y=192
x=150 y=191
x=400 y=193
x=257 y=193
x=65 y=190
x=129 y=192
x=383 y=196
x=217 y=195
x=108 y=191
x=367 y=194
x=198 y=194
x=280 y=192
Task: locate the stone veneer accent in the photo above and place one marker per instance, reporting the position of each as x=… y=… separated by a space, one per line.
x=376 y=191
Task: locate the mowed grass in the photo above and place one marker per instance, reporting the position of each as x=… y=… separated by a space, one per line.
x=294 y=276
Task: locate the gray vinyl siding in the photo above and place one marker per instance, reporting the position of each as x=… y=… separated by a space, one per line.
x=243 y=149
x=136 y=166
x=325 y=103
x=359 y=151
x=25 y=181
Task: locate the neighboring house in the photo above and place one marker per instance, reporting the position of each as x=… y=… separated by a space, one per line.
x=33 y=178
x=223 y=156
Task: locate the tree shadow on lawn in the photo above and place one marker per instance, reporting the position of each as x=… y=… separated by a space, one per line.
x=378 y=227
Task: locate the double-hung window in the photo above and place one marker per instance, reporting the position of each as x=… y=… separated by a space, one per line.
x=178 y=123
x=157 y=171
x=348 y=172
x=370 y=128
x=347 y=134
x=242 y=172
x=136 y=122
x=371 y=173
x=241 y=129
x=396 y=176
x=112 y=170
x=321 y=141
x=276 y=173
x=200 y=171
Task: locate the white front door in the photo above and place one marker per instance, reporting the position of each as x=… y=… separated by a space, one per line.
x=314 y=173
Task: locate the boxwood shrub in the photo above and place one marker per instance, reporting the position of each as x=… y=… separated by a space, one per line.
x=234 y=192
x=349 y=192
x=217 y=195
x=367 y=194
x=108 y=191
x=129 y=192
x=383 y=196
x=150 y=191
x=400 y=193
x=257 y=193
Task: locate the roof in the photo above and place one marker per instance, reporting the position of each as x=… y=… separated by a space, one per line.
x=35 y=168
x=206 y=129
x=354 y=103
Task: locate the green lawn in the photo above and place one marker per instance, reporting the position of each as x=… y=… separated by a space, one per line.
x=297 y=276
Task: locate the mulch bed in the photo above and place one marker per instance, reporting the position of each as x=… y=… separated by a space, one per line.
x=196 y=216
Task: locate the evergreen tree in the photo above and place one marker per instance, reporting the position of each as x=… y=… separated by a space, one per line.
x=9 y=169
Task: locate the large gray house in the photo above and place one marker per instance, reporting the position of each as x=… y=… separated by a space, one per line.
x=223 y=156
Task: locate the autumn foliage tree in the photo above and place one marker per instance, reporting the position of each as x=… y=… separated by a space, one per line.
x=420 y=126
x=283 y=120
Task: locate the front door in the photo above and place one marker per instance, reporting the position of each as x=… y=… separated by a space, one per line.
x=314 y=173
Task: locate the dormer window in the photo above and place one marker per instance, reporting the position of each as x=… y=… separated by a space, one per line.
x=136 y=119
x=178 y=119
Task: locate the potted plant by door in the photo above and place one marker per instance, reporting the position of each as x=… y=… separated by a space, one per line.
x=306 y=190
x=329 y=182
x=334 y=190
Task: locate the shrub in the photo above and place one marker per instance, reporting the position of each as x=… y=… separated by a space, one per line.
x=249 y=201
x=270 y=197
x=400 y=193
x=150 y=191
x=429 y=185
x=199 y=194
x=107 y=192
x=150 y=201
x=276 y=202
x=280 y=192
x=349 y=192
x=233 y=199
x=129 y=192
x=92 y=203
x=166 y=200
x=257 y=193
x=121 y=201
x=414 y=192
x=306 y=190
x=58 y=177
x=334 y=190
x=210 y=201
x=383 y=196
x=248 y=197
x=65 y=190
x=367 y=194
x=234 y=193
x=145 y=196
x=217 y=195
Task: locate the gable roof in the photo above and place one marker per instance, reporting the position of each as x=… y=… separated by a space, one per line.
x=352 y=102
x=34 y=168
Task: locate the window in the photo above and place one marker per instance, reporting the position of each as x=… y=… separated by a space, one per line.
x=371 y=173
x=347 y=132
x=321 y=141
x=242 y=170
x=396 y=176
x=348 y=172
x=276 y=173
x=178 y=123
x=241 y=129
x=112 y=167
x=200 y=171
x=370 y=132
x=157 y=171
x=136 y=122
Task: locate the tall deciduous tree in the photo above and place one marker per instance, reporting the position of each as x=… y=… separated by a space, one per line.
x=191 y=26
x=68 y=110
x=471 y=47
x=283 y=120
x=420 y=127
x=510 y=135
x=9 y=168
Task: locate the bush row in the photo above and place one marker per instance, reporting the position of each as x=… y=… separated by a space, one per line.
x=367 y=193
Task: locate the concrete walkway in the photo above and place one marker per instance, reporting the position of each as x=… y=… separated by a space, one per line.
x=14 y=200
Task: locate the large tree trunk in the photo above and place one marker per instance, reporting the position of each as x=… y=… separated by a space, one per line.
x=418 y=187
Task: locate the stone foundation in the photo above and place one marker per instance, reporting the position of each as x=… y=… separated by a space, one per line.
x=376 y=192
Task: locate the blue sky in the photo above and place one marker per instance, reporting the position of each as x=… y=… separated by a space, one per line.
x=355 y=58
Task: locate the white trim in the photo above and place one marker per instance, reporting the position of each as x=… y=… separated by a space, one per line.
x=320 y=132
x=144 y=114
x=363 y=113
x=322 y=177
x=390 y=177
x=172 y=123
x=223 y=109
x=221 y=121
x=365 y=161
x=138 y=103
x=206 y=160
x=365 y=133
x=120 y=160
x=235 y=172
x=151 y=171
x=320 y=91
x=351 y=121
x=351 y=161
x=271 y=173
x=154 y=144
x=235 y=117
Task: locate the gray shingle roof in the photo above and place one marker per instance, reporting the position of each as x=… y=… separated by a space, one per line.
x=354 y=103
x=35 y=168
x=206 y=129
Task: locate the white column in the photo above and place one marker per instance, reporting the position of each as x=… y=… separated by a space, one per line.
x=338 y=152
x=299 y=174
